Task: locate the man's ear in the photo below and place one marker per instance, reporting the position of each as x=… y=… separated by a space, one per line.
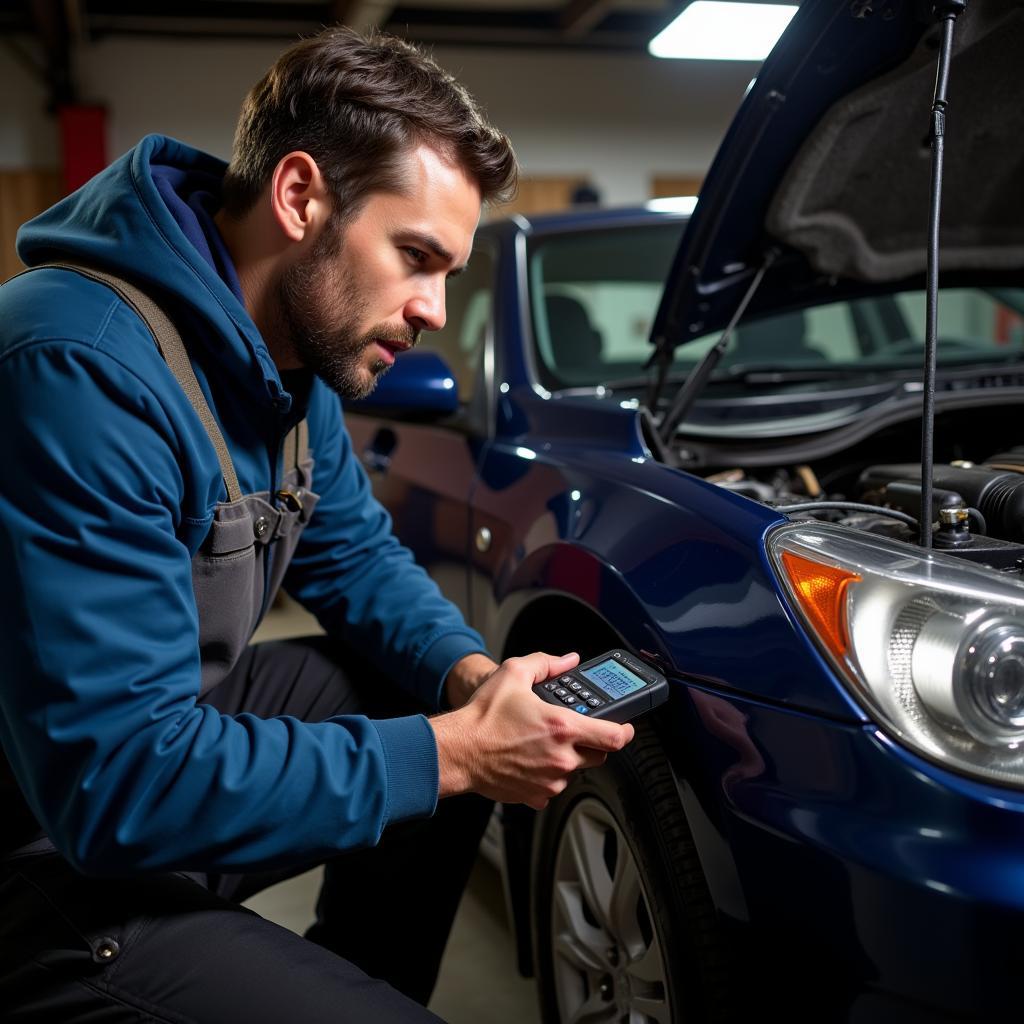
x=299 y=197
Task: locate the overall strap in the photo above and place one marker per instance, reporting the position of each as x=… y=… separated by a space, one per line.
x=296 y=446
x=172 y=348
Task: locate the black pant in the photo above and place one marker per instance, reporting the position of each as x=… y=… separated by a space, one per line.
x=179 y=947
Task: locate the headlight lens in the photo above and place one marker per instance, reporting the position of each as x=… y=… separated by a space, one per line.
x=930 y=645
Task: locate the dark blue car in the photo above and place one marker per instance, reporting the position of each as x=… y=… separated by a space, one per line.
x=826 y=820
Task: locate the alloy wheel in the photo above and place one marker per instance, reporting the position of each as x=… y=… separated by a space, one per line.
x=608 y=962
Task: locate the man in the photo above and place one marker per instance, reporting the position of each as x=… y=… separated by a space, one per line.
x=158 y=488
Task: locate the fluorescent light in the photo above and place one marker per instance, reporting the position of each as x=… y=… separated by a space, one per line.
x=672 y=204
x=722 y=30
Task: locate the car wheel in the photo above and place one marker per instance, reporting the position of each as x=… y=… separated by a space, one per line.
x=624 y=927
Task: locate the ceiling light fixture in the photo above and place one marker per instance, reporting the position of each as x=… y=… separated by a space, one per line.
x=673 y=204
x=723 y=30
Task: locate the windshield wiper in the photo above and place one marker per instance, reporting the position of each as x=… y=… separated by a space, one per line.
x=971 y=366
x=794 y=375
x=701 y=373
x=639 y=382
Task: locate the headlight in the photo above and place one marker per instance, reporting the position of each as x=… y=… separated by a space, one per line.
x=930 y=645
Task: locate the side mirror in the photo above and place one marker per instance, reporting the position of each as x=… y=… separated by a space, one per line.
x=418 y=384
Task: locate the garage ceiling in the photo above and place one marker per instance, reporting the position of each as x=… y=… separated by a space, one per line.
x=43 y=34
x=616 y=25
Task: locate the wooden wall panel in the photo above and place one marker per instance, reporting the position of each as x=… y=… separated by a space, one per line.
x=540 y=195
x=663 y=186
x=23 y=194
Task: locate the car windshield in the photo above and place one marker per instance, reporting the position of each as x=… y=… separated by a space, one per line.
x=594 y=296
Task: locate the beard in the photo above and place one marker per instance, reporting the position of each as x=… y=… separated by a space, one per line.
x=321 y=311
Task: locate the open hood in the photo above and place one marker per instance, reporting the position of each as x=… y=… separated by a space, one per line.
x=827 y=165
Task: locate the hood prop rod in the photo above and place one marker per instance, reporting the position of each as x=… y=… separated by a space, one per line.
x=694 y=384
x=946 y=11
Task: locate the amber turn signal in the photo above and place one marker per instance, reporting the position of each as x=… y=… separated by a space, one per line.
x=821 y=591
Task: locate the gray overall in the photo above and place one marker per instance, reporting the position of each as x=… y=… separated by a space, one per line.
x=101 y=948
x=240 y=565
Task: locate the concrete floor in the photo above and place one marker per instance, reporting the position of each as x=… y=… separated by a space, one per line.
x=478 y=983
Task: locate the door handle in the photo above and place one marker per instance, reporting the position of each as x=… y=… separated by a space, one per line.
x=376 y=456
x=375 y=462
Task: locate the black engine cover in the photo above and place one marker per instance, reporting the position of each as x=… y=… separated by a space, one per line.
x=997 y=493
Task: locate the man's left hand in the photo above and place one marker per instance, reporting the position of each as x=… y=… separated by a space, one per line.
x=465 y=676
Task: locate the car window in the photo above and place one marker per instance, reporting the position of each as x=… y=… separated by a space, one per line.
x=886 y=330
x=468 y=302
x=832 y=332
x=594 y=296
x=988 y=319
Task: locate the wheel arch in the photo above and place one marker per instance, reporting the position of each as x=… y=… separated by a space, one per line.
x=543 y=623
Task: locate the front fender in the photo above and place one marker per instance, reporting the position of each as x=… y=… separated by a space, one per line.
x=674 y=565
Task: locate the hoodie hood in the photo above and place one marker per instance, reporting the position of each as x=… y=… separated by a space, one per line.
x=139 y=219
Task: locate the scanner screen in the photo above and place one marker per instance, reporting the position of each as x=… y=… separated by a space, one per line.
x=614 y=678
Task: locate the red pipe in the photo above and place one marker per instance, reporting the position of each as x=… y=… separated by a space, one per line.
x=83 y=143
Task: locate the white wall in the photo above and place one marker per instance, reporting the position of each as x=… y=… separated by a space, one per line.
x=28 y=137
x=619 y=119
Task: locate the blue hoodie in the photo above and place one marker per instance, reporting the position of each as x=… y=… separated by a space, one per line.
x=109 y=489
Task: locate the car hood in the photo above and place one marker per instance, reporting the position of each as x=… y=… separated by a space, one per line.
x=826 y=165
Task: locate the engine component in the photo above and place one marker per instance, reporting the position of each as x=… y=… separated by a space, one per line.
x=906 y=496
x=953 y=531
x=1012 y=461
x=998 y=494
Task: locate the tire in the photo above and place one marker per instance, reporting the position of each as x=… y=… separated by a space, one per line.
x=624 y=929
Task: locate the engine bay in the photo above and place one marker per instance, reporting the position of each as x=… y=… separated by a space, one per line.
x=875 y=486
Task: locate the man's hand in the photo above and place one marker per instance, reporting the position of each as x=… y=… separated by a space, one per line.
x=465 y=676
x=506 y=744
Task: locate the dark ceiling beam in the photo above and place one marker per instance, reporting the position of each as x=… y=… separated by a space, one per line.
x=200 y=10
x=667 y=14
x=102 y=26
x=528 y=39
x=50 y=20
x=579 y=17
x=75 y=14
x=579 y=25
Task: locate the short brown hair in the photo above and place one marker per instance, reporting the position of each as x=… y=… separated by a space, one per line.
x=356 y=105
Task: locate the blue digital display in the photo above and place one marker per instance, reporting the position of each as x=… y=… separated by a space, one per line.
x=614 y=678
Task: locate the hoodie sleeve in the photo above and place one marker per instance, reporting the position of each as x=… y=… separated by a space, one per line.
x=358 y=579
x=99 y=717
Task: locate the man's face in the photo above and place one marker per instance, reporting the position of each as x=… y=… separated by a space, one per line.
x=364 y=292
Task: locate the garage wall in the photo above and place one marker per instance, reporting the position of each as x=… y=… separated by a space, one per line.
x=622 y=120
x=28 y=137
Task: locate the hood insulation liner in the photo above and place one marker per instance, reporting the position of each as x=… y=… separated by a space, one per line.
x=855 y=200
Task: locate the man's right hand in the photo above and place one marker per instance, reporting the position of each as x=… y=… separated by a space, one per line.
x=507 y=744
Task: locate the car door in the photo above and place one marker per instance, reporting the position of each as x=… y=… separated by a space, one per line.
x=423 y=471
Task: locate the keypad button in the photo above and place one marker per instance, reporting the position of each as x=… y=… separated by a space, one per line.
x=575 y=686
x=570 y=698
x=585 y=694
x=561 y=691
x=594 y=702
x=551 y=686
x=582 y=709
x=566 y=680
